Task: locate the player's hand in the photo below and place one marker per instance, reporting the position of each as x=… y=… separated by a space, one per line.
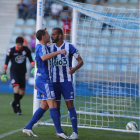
x=32 y=71
x=35 y=87
x=4 y=77
x=63 y=51
x=72 y=70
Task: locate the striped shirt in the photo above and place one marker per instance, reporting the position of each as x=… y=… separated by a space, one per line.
x=61 y=63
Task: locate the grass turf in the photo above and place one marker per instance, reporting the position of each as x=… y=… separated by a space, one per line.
x=9 y=121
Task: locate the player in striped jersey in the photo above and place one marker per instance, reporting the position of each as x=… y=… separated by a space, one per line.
x=44 y=87
x=62 y=71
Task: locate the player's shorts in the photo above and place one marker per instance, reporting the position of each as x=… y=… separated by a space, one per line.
x=44 y=90
x=18 y=79
x=64 y=88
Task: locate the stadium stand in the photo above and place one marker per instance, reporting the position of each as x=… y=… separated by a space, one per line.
x=8 y=16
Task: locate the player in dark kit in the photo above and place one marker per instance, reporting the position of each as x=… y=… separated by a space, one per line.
x=18 y=55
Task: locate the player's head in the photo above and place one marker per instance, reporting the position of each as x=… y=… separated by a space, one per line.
x=56 y=35
x=43 y=35
x=19 y=42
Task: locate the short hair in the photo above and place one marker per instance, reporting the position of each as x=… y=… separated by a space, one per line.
x=19 y=40
x=59 y=30
x=40 y=33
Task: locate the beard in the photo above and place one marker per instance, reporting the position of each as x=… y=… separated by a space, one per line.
x=55 y=40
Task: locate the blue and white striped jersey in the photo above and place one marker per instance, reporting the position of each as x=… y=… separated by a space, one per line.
x=61 y=63
x=43 y=67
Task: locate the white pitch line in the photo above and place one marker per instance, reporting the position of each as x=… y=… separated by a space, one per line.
x=9 y=133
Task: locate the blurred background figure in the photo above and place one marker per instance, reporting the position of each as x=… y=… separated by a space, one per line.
x=66 y=18
x=104 y=26
x=97 y=2
x=82 y=1
x=33 y=42
x=26 y=2
x=32 y=10
x=56 y=9
x=25 y=43
x=47 y=8
x=22 y=10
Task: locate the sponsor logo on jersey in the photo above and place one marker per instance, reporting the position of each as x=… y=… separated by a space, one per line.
x=19 y=59
x=43 y=50
x=23 y=52
x=62 y=62
x=12 y=81
x=15 y=53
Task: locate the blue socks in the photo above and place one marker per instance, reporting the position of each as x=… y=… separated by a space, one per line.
x=73 y=117
x=37 y=115
x=55 y=115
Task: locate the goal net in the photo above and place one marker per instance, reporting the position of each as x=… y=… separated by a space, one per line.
x=107 y=94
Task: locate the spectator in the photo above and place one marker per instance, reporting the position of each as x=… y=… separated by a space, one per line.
x=47 y=8
x=22 y=10
x=56 y=9
x=66 y=18
x=32 y=10
x=97 y=2
x=104 y=25
x=26 y=2
x=82 y=1
x=33 y=42
x=25 y=43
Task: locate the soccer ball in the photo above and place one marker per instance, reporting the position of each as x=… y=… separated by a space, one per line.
x=132 y=126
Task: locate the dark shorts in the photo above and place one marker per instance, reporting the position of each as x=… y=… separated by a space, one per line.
x=18 y=79
x=64 y=88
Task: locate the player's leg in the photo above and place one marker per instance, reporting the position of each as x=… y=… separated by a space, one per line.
x=15 y=85
x=55 y=115
x=37 y=115
x=22 y=84
x=57 y=92
x=54 y=111
x=68 y=94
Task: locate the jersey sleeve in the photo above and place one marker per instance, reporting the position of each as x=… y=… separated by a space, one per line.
x=72 y=49
x=8 y=57
x=30 y=56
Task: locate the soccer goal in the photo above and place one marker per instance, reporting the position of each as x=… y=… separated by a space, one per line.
x=107 y=94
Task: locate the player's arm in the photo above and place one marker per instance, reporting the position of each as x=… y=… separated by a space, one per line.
x=4 y=77
x=30 y=58
x=73 y=51
x=51 y=55
x=31 y=61
x=79 y=65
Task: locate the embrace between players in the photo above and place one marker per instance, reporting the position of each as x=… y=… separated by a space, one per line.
x=53 y=78
x=49 y=90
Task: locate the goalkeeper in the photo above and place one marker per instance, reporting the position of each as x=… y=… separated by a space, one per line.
x=17 y=55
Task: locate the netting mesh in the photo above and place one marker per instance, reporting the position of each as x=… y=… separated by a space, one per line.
x=107 y=86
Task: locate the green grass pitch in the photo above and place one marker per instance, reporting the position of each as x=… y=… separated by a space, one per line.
x=10 y=122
